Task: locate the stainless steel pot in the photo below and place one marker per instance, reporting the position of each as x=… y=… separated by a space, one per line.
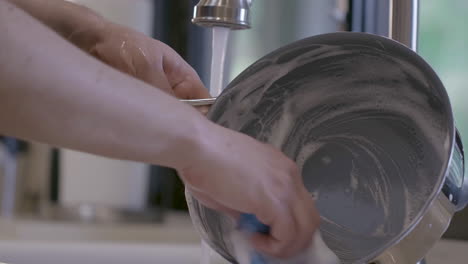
x=370 y=125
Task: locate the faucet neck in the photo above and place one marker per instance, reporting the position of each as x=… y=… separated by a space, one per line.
x=232 y=14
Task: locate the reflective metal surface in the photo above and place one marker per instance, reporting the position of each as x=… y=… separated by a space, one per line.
x=370 y=125
x=403 y=22
x=234 y=14
x=200 y=102
x=456 y=183
x=422 y=237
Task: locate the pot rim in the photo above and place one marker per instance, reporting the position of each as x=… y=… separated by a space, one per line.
x=448 y=145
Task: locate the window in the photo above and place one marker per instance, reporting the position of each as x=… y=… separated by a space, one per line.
x=443 y=39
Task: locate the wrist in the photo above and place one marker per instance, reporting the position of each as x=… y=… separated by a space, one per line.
x=191 y=141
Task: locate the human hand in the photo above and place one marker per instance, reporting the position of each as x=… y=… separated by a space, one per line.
x=234 y=173
x=140 y=56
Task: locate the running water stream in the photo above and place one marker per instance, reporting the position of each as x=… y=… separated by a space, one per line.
x=218 y=57
x=316 y=253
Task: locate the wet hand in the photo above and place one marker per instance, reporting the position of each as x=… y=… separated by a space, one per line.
x=235 y=174
x=142 y=57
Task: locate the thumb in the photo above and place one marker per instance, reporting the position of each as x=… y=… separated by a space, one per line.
x=191 y=87
x=183 y=79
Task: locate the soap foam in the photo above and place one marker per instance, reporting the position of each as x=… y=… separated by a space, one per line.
x=302 y=120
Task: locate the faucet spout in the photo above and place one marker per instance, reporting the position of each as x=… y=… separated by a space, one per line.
x=234 y=14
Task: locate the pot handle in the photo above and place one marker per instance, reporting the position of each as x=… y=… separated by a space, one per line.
x=458 y=150
x=202 y=105
x=200 y=102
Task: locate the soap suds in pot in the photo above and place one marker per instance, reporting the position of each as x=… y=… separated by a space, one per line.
x=365 y=127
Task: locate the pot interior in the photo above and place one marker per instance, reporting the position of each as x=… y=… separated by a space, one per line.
x=367 y=121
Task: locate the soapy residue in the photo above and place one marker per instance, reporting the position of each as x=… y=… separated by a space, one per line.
x=218 y=57
x=366 y=129
x=366 y=125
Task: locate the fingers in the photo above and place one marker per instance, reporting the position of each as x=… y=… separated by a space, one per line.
x=150 y=72
x=129 y=59
x=292 y=217
x=203 y=109
x=107 y=54
x=306 y=220
x=286 y=239
x=306 y=217
x=277 y=214
x=278 y=243
x=150 y=61
x=189 y=86
x=157 y=79
x=183 y=79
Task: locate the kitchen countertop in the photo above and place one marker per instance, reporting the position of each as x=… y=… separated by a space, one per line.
x=445 y=252
x=449 y=252
x=175 y=241
x=177 y=228
x=97 y=253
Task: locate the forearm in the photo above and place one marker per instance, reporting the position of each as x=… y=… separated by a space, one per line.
x=68 y=99
x=66 y=18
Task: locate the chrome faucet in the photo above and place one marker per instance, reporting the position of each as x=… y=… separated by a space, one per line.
x=403 y=22
x=234 y=14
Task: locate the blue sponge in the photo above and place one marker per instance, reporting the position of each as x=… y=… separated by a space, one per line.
x=249 y=223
